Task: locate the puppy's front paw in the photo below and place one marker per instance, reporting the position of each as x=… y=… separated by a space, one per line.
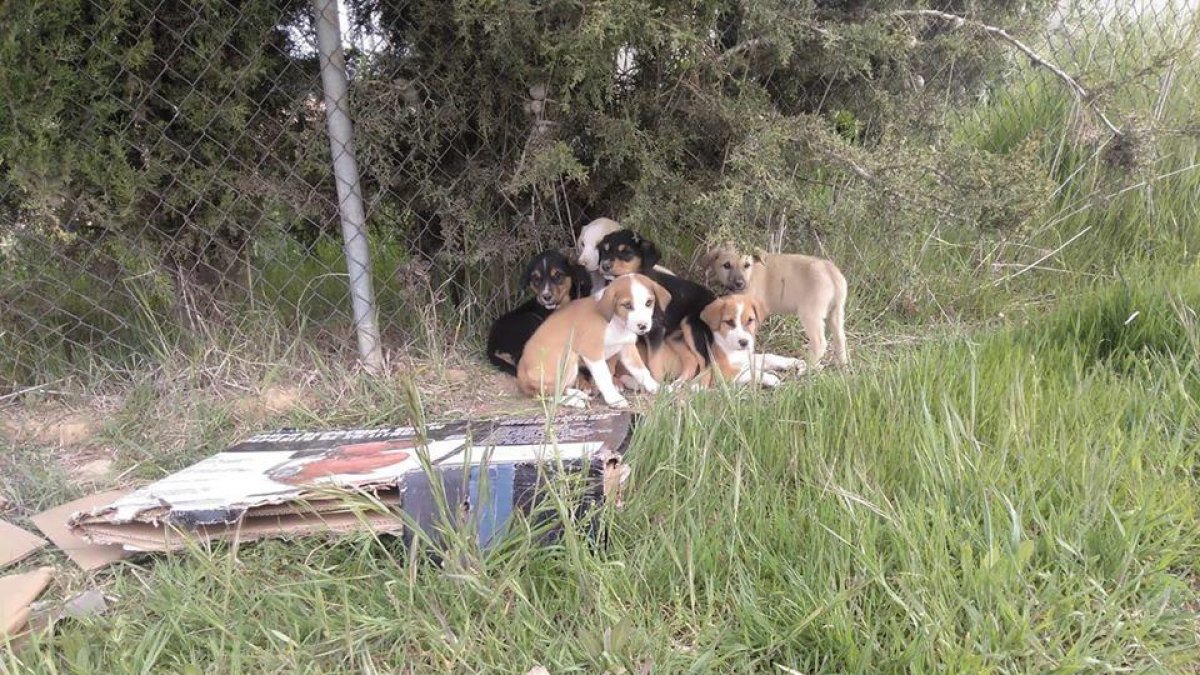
x=798 y=365
x=651 y=386
x=618 y=402
x=769 y=380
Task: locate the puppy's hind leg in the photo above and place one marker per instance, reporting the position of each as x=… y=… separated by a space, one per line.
x=603 y=379
x=814 y=327
x=632 y=361
x=573 y=398
x=837 y=326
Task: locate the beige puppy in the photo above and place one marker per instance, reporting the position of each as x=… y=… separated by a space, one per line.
x=589 y=332
x=813 y=289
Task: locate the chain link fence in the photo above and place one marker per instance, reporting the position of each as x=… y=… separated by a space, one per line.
x=167 y=182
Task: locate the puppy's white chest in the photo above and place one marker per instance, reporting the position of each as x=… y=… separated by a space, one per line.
x=740 y=358
x=616 y=338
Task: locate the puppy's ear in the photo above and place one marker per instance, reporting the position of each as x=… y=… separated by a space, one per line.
x=708 y=259
x=711 y=314
x=758 y=255
x=661 y=295
x=607 y=303
x=650 y=255
x=760 y=308
x=581 y=282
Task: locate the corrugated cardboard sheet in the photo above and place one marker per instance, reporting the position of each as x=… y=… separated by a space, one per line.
x=299 y=483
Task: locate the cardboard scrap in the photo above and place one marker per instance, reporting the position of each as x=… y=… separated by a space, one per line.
x=17 y=593
x=16 y=544
x=88 y=555
x=288 y=484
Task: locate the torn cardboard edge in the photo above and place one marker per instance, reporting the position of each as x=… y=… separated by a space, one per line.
x=17 y=593
x=88 y=555
x=16 y=544
x=299 y=483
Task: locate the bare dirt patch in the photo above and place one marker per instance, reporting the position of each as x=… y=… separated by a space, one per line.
x=52 y=425
x=272 y=400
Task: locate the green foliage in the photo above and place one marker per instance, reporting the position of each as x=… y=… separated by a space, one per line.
x=162 y=125
x=930 y=161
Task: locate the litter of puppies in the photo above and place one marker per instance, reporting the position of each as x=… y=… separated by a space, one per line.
x=616 y=319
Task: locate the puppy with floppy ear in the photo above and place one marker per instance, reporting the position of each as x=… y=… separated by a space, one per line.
x=625 y=252
x=588 y=333
x=734 y=321
x=554 y=281
x=813 y=289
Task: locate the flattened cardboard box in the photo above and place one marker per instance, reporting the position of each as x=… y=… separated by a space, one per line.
x=297 y=483
x=16 y=544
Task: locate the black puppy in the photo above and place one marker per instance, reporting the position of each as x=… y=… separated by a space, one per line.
x=554 y=281
x=626 y=252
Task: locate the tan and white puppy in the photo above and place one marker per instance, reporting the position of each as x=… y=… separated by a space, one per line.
x=811 y=288
x=734 y=321
x=588 y=332
x=588 y=244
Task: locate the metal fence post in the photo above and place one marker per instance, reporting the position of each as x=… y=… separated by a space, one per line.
x=349 y=190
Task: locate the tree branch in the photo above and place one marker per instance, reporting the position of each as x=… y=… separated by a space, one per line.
x=1081 y=94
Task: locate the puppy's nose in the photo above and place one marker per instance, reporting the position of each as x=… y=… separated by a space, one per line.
x=739 y=285
x=547 y=297
x=743 y=343
x=643 y=327
x=606 y=265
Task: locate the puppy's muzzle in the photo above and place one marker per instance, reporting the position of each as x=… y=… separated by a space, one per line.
x=738 y=285
x=641 y=328
x=547 y=300
x=743 y=343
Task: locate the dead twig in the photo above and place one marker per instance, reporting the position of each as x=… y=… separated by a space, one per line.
x=27 y=390
x=1039 y=261
x=1081 y=95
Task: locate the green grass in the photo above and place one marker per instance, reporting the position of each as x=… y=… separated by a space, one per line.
x=1021 y=501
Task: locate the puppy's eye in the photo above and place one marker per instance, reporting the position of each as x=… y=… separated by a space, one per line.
x=745 y=266
x=730 y=323
x=728 y=266
x=750 y=321
x=649 y=303
x=627 y=305
x=556 y=277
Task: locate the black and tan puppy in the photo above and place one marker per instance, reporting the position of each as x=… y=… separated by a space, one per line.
x=554 y=281
x=626 y=252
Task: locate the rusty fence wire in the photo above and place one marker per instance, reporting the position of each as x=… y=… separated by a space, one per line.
x=167 y=180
